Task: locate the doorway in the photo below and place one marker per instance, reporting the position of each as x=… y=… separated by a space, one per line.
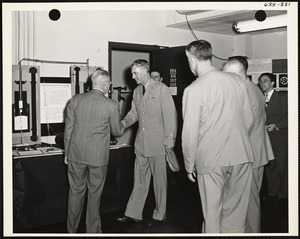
x=121 y=55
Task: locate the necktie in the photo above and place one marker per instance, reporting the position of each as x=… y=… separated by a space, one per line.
x=144 y=90
x=267 y=99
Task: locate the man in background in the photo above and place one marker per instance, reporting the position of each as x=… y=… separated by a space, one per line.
x=156 y=76
x=277 y=127
x=154 y=109
x=259 y=138
x=217 y=121
x=91 y=118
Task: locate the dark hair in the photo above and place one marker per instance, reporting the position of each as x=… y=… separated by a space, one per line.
x=242 y=59
x=271 y=76
x=201 y=49
x=155 y=71
x=142 y=63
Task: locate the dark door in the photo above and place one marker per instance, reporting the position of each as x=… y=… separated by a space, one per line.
x=174 y=68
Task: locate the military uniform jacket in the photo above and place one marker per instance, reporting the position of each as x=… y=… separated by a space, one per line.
x=157 y=117
x=91 y=118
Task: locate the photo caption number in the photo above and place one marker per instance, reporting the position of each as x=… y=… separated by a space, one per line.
x=277 y=4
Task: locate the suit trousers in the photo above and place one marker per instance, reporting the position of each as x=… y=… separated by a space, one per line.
x=224 y=197
x=254 y=214
x=84 y=178
x=143 y=169
x=277 y=172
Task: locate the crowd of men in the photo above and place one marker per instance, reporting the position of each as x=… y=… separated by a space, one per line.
x=231 y=134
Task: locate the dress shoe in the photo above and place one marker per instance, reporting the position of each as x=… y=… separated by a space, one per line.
x=155 y=223
x=127 y=219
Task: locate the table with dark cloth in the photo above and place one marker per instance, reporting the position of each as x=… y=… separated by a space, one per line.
x=40 y=187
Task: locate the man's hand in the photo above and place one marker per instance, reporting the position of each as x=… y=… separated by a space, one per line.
x=192 y=176
x=123 y=124
x=168 y=148
x=66 y=160
x=271 y=127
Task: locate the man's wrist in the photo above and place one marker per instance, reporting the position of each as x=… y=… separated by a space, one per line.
x=123 y=123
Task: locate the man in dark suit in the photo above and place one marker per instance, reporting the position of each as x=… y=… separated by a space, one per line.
x=277 y=127
x=154 y=109
x=91 y=118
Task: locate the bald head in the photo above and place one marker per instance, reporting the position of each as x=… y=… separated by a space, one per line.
x=234 y=66
x=237 y=65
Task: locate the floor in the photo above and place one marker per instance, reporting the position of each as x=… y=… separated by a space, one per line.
x=184 y=213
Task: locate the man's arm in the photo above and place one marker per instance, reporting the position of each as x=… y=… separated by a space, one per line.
x=115 y=121
x=69 y=124
x=248 y=112
x=169 y=115
x=282 y=123
x=191 y=112
x=132 y=115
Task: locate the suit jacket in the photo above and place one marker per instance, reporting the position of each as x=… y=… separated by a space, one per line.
x=91 y=118
x=217 y=122
x=259 y=137
x=157 y=116
x=277 y=113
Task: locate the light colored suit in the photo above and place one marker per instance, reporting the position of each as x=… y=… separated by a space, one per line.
x=91 y=118
x=157 y=118
x=215 y=140
x=263 y=152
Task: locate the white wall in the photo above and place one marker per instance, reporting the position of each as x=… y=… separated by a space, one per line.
x=81 y=35
x=270 y=46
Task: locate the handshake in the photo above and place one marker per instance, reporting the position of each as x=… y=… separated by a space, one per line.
x=123 y=124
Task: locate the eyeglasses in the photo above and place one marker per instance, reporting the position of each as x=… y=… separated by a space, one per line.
x=110 y=83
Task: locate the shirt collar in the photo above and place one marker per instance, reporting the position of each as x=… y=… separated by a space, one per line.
x=270 y=93
x=148 y=83
x=99 y=90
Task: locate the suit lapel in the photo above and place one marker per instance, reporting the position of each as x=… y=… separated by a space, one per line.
x=272 y=103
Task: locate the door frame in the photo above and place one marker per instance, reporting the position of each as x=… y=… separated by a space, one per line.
x=121 y=46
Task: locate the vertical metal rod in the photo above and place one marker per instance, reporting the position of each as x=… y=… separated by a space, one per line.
x=34 y=136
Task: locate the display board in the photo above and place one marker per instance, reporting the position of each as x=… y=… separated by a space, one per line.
x=54 y=98
x=276 y=66
x=55 y=92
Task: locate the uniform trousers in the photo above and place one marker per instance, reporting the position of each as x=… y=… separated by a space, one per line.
x=143 y=169
x=254 y=214
x=84 y=178
x=224 y=197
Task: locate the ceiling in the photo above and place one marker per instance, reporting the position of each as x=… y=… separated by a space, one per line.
x=221 y=21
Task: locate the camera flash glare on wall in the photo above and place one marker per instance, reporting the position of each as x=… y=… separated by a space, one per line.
x=254 y=25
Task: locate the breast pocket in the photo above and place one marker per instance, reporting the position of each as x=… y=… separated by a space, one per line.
x=152 y=105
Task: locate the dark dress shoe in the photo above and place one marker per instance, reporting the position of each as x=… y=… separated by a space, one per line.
x=155 y=223
x=127 y=219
